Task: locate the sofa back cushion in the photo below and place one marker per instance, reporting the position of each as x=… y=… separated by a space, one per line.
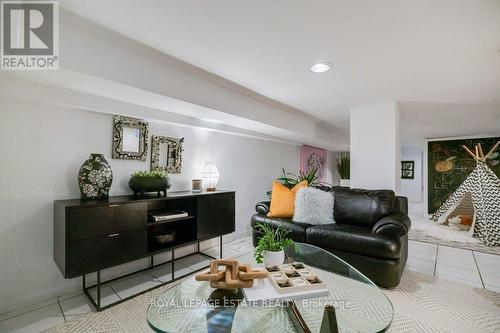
x=362 y=207
x=283 y=200
x=313 y=206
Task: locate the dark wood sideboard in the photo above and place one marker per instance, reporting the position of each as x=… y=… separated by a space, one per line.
x=90 y=236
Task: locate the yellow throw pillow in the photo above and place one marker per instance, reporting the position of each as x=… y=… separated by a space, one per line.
x=283 y=200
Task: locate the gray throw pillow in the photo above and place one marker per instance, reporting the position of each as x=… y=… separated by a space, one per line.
x=313 y=206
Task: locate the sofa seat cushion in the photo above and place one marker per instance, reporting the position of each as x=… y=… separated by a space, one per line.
x=354 y=239
x=297 y=229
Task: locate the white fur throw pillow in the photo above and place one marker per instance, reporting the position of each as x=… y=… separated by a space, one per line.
x=313 y=206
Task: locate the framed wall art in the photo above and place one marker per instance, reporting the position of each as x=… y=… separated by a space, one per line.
x=407 y=169
x=130 y=138
x=313 y=158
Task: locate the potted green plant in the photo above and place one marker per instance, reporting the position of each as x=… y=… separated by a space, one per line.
x=290 y=180
x=143 y=181
x=344 y=168
x=271 y=245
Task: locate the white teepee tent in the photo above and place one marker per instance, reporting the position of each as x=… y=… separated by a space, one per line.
x=484 y=188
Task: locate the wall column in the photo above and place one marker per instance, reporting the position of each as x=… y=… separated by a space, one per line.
x=375 y=147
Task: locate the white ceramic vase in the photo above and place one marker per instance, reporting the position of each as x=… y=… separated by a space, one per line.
x=273 y=258
x=344 y=182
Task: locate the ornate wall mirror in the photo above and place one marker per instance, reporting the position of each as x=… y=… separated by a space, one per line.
x=166 y=154
x=130 y=138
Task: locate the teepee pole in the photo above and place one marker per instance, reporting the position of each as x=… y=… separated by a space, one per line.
x=492 y=150
x=470 y=153
x=481 y=152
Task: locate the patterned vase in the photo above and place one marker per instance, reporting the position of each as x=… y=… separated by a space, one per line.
x=95 y=178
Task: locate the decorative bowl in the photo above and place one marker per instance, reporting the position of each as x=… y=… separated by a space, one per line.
x=142 y=185
x=164 y=239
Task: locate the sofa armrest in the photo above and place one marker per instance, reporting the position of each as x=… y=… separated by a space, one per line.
x=263 y=207
x=393 y=225
x=400 y=205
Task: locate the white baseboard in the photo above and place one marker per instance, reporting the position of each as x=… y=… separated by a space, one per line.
x=42 y=296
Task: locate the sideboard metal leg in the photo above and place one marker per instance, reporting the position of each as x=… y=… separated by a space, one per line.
x=83 y=282
x=173 y=265
x=151 y=262
x=98 y=290
x=220 y=244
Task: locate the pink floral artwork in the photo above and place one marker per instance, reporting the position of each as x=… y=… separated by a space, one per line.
x=313 y=158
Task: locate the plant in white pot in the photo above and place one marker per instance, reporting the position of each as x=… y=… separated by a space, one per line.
x=344 y=168
x=271 y=245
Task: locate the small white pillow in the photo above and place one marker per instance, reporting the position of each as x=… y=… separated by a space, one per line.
x=313 y=206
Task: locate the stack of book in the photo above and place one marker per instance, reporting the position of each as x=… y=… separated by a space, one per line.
x=169 y=215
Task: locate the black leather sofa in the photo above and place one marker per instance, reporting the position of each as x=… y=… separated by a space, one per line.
x=370 y=232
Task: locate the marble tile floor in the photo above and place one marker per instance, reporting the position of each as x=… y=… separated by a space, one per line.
x=477 y=269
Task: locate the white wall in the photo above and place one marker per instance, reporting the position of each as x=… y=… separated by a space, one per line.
x=375 y=149
x=413 y=188
x=332 y=175
x=42 y=150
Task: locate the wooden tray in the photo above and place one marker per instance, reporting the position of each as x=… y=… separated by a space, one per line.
x=294 y=277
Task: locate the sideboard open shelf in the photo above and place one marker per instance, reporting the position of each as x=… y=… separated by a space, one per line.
x=90 y=236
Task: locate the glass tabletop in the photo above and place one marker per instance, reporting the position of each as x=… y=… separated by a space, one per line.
x=192 y=306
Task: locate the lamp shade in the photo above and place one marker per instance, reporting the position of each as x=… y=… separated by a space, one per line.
x=210 y=175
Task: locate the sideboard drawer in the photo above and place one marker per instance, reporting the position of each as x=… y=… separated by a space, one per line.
x=90 y=255
x=90 y=222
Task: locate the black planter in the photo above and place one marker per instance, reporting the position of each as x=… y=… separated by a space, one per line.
x=95 y=178
x=142 y=185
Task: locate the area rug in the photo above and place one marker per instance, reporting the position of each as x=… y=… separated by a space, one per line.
x=422 y=303
x=423 y=230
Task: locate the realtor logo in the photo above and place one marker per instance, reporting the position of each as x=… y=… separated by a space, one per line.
x=30 y=35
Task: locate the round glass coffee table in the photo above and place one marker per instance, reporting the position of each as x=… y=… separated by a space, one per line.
x=192 y=306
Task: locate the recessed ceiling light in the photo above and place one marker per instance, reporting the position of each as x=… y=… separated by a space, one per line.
x=321 y=67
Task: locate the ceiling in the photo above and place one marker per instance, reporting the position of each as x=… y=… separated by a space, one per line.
x=424 y=53
x=421 y=120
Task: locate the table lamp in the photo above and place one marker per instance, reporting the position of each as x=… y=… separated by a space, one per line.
x=210 y=175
